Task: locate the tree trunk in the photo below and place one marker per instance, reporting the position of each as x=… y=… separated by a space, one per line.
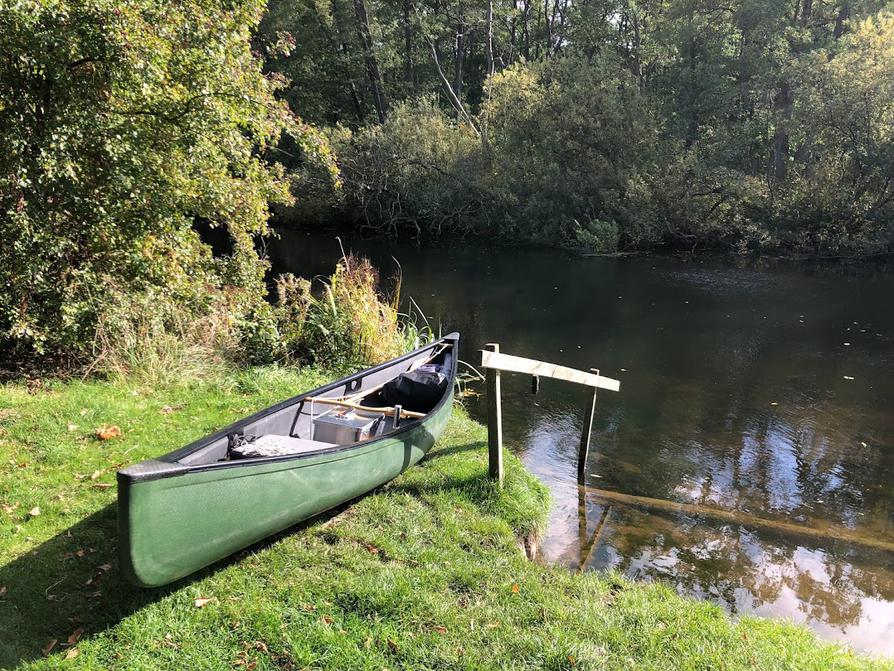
x=372 y=66
x=342 y=56
x=783 y=103
x=841 y=21
x=409 y=72
x=459 y=54
x=489 y=56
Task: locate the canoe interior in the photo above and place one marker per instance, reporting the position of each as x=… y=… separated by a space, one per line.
x=295 y=418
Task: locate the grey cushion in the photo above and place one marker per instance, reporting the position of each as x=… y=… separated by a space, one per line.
x=271 y=445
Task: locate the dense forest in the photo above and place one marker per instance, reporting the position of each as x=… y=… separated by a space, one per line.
x=599 y=124
x=129 y=131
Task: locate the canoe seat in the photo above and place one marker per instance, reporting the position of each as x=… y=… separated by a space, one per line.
x=271 y=445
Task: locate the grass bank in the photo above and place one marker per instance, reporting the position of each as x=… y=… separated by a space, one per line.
x=424 y=573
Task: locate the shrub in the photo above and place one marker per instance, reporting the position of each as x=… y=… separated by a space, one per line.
x=349 y=324
x=418 y=172
x=121 y=126
x=597 y=236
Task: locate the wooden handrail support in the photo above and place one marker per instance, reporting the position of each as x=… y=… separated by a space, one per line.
x=494 y=362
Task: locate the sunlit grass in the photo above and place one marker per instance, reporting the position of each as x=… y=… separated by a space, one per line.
x=424 y=573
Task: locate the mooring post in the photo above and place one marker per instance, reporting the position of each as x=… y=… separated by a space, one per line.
x=589 y=413
x=494 y=421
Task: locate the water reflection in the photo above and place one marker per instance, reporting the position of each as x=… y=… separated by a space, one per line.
x=841 y=593
x=757 y=388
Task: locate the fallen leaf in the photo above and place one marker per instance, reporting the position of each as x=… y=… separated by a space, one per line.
x=202 y=601
x=515 y=588
x=9 y=508
x=71 y=654
x=439 y=629
x=35 y=511
x=372 y=549
x=108 y=431
x=48 y=648
x=326 y=619
x=105 y=567
x=80 y=553
x=84 y=411
x=3 y=591
x=71 y=427
x=102 y=485
x=75 y=636
x=96 y=474
x=392 y=646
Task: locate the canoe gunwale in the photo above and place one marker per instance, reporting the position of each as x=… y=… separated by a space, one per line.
x=168 y=466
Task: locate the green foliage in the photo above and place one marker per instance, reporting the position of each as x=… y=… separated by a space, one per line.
x=598 y=236
x=419 y=171
x=753 y=126
x=841 y=197
x=121 y=126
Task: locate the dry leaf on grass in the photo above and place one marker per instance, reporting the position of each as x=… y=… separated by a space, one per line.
x=515 y=588
x=96 y=474
x=75 y=636
x=71 y=654
x=102 y=485
x=71 y=427
x=203 y=601
x=439 y=629
x=327 y=619
x=48 y=648
x=108 y=431
x=9 y=508
x=393 y=646
x=34 y=512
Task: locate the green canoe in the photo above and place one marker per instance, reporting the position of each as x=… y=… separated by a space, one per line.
x=282 y=465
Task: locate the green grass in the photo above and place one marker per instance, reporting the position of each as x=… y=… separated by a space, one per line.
x=425 y=573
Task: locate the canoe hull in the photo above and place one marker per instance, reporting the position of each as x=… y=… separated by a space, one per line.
x=170 y=527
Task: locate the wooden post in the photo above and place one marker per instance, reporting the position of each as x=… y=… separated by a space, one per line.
x=494 y=421
x=589 y=413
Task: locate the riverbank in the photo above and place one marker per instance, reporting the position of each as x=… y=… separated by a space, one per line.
x=424 y=573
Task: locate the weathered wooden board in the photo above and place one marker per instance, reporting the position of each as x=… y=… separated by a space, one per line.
x=517 y=364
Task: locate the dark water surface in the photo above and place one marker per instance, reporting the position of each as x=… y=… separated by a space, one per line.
x=764 y=389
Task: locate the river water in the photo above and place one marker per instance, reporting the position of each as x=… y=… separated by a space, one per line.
x=761 y=389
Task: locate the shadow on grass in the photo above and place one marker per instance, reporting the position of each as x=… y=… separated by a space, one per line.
x=456 y=449
x=72 y=581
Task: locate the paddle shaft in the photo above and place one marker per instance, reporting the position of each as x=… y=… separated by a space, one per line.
x=356 y=406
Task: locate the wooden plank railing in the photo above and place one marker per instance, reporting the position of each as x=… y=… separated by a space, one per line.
x=495 y=362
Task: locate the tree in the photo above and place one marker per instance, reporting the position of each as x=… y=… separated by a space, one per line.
x=123 y=127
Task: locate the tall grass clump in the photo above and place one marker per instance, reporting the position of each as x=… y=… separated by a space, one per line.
x=340 y=322
x=153 y=338
x=346 y=321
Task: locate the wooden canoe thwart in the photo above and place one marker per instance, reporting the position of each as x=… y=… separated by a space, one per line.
x=284 y=464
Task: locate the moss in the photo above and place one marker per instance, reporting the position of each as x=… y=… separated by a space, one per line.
x=424 y=573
